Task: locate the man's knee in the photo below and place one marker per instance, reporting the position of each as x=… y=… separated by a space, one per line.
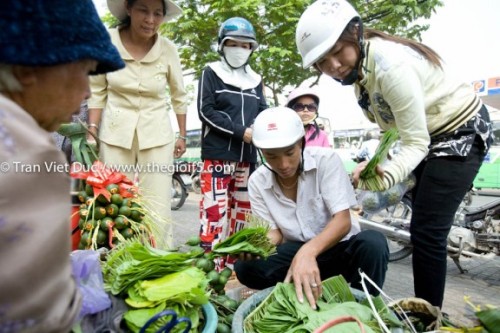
x=372 y=243
x=372 y=238
x=241 y=270
x=247 y=274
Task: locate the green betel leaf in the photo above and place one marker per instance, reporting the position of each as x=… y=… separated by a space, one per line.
x=336 y=290
x=281 y=311
x=251 y=239
x=490 y=318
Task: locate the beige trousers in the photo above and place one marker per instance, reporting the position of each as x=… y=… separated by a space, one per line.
x=153 y=167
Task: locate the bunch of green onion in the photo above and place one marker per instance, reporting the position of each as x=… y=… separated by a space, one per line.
x=368 y=179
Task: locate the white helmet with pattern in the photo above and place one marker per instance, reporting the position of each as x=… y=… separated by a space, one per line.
x=277 y=127
x=320 y=26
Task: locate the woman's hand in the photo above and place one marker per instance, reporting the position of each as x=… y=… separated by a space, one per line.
x=91 y=137
x=304 y=272
x=274 y=236
x=180 y=147
x=359 y=168
x=247 y=137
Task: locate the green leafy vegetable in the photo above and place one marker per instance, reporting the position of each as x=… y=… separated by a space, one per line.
x=369 y=180
x=282 y=312
x=252 y=239
x=133 y=261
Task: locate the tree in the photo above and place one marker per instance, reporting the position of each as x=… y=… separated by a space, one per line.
x=277 y=58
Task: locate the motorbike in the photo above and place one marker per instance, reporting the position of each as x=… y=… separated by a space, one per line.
x=195 y=180
x=475 y=231
x=181 y=183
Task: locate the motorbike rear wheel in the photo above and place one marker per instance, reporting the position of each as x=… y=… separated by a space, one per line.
x=397 y=216
x=179 y=193
x=196 y=184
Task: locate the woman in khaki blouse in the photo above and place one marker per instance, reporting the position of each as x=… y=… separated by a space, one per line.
x=128 y=108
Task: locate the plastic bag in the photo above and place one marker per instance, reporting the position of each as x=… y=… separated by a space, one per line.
x=86 y=269
x=373 y=202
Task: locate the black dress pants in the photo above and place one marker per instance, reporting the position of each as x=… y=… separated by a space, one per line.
x=367 y=251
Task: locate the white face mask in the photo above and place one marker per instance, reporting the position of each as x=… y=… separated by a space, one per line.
x=236 y=56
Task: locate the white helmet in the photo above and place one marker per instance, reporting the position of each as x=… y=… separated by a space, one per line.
x=302 y=91
x=320 y=26
x=277 y=127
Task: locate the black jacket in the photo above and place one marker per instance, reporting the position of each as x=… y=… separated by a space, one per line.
x=226 y=112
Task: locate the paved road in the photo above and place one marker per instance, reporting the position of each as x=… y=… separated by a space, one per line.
x=481 y=282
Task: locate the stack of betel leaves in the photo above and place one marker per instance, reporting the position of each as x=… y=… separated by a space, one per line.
x=250 y=240
x=281 y=311
x=153 y=280
x=111 y=210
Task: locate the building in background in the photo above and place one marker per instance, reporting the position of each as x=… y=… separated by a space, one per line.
x=489 y=91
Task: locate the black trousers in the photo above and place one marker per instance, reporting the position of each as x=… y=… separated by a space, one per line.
x=441 y=185
x=367 y=251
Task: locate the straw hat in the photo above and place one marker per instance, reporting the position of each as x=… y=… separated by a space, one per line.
x=119 y=10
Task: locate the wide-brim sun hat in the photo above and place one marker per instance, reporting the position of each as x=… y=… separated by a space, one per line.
x=53 y=32
x=277 y=127
x=319 y=28
x=118 y=9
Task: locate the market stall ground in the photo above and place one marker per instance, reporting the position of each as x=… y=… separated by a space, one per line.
x=481 y=282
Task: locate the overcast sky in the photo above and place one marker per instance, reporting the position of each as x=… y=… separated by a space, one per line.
x=466 y=33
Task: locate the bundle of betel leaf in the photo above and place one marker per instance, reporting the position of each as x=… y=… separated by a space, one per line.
x=132 y=261
x=152 y=280
x=252 y=240
x=368 y=179
x=183 y=292
x=281 y=311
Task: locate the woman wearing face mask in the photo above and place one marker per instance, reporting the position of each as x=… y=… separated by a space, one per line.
x=230 y=97
x=305 y=101
x=444 y=128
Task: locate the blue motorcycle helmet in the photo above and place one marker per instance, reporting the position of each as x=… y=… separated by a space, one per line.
x=239 y=29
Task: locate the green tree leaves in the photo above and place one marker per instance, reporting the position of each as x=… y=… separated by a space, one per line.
x=277 y=58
